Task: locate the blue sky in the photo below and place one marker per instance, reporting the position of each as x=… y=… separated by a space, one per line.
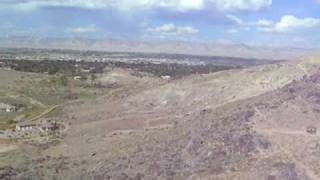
x=294 y=23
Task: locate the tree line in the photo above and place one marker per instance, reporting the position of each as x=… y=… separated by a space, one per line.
x=77 y=68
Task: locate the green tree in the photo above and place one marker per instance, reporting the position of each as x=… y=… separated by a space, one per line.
x=93 y=78
x=63 y=80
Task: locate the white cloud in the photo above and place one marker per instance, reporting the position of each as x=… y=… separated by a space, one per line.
x=288 y=23
x=88 y=29
x=235 y=19
x=242 y=5
x=178 y=5
x=101 y=4
x=238 y=25
x=171 y=29
x=265 y=23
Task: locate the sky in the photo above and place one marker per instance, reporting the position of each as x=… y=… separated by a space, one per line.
x=293 y=23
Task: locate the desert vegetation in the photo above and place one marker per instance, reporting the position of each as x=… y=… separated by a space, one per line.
x=77 y=68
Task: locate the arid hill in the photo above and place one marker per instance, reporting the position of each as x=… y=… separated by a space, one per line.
x=255 y=123
x=238 y=124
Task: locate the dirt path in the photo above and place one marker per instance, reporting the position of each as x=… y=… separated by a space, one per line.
x=45 y=113
x=303 y=69
x=289 y=132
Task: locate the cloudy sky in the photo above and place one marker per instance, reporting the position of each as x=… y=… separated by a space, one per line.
x=256 y=22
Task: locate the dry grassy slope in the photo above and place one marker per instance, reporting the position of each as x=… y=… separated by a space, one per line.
x=220 y=143
x=284 y=117
x=157 y=104
x=220 y=88
x=217 y=144
x=125 y=77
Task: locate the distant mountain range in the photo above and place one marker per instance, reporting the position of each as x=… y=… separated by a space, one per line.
x=170 y=47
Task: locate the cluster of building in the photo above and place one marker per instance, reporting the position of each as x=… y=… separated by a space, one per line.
x=7 y=108
x=42 y=126
x=31 y=129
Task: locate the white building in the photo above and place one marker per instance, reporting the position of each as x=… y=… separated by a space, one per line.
x=7 y=108
x=166 y=77
x=26 y=126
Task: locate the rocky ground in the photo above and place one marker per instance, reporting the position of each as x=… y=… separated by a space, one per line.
x=255 y=123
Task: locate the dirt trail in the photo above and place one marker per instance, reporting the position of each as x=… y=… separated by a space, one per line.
x=44 y=113
x=303 y=69
x=280 y=131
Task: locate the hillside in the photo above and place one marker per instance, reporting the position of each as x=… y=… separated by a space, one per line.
x=255 y=123
x=226 y=125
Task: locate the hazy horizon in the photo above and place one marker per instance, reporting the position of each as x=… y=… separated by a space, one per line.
x=252 y=22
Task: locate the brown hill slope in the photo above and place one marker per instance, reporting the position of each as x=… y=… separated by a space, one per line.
x=257 y=123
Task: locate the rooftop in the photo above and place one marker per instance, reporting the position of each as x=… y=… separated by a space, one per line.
x=3 y=105
x=27 y=124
